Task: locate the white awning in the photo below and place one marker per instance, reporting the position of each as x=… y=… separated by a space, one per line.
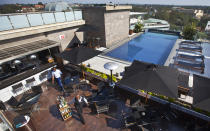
x=11 y=53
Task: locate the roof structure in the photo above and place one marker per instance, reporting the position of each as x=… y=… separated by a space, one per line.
x=207 y=26
x=57 y=6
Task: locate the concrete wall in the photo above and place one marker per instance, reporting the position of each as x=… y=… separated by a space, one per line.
x=94 y=17
x=116 y=26
x=112 y=25
x=68 y=34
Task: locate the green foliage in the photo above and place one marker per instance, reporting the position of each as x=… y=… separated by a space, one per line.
x=138 y=27
x=202 y=35
x=171 y=100
x=201 y=111
x=189 y=31
x=102 y=75
x=203 y=21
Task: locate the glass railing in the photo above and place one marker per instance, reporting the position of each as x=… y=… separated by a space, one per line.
x=17 y=21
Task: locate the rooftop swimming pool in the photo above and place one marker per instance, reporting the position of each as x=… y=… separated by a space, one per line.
x=148 y=47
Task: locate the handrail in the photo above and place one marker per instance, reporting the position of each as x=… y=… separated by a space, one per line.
x=25 y=20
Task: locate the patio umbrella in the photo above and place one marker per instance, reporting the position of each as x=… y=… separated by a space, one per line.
x=151 y=78
x=201 y=89
x=111 y=66
x=79 y=55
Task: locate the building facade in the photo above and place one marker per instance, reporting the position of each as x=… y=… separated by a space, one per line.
x=28 y=44
x=110 y=23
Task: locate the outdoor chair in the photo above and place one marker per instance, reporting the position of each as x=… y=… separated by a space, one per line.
x=68 y=90
x=32 y=97
x=102 y=107
x=43 y=75
x=2 y=106
x=129 y=120
x=17 y=88
x=20 y=108
x=30 y=82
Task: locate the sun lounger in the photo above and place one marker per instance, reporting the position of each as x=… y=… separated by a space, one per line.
x=190 y=57
x=190 y=51
x=193 y=66
x=190 y=43
x=191 y=48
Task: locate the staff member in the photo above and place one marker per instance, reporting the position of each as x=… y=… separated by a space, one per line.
x=78 y=104
x=56 y=74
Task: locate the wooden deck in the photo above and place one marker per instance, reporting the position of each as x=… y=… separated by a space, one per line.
x=48 y=118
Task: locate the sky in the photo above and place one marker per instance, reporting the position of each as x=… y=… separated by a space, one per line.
x=164 y=2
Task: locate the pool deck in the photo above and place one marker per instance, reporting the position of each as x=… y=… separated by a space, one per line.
x=173 y=52
x=97 y=63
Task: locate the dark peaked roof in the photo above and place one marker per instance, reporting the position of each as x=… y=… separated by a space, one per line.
x=201 y=90
x=79 y=55
x=151 y=78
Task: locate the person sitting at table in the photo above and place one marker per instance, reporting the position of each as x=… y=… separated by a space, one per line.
x=79 y=102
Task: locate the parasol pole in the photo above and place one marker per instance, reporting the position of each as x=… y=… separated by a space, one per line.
x=111 y=76
x=146 y=98
x=83 y=73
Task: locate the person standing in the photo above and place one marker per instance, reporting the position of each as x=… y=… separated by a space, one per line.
x=56 y=74
x=78 y=104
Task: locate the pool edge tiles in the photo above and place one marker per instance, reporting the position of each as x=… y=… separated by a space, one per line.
x=148 y=47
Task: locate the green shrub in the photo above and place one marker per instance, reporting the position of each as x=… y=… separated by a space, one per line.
x=138 y=27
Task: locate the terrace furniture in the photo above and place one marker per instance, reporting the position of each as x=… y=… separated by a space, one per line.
x=190 y=57
x=68 y=90
x=23 y=122
x=193 y=66
x=102 y=107
x=2 y=106
x=190 y=43
x=190 y=49
x=30 y=82
x=17 y=88
x=64 y=109
x=21 y=108
x=43 y=75
x=32 y=97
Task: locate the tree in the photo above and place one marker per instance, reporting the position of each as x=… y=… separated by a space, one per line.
x=189 y=31
x=138 y=27
x=40 y=3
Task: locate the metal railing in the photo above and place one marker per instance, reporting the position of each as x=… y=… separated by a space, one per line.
x=24 y=20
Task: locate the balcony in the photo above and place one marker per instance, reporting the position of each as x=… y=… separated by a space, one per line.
x=17 y=25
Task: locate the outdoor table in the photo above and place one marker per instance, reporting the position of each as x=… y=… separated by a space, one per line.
x=23 y=123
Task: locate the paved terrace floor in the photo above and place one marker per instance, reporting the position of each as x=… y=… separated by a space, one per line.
x=48 y=118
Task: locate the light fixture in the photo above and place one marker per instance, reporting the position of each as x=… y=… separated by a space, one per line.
x=17 y=62
x=32 y=57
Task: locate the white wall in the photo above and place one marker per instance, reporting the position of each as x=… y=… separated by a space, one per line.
x=7 y=93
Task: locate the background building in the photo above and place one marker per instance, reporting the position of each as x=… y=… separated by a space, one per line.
x=28 y=41
x=57 y=6
x=207 y=29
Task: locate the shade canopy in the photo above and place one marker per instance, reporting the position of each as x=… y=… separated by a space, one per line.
x=152 y=78
x=79 y=55
x=111 y=66
x=201 y=89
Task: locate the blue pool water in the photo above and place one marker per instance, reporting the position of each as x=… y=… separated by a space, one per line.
x=148 y=47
